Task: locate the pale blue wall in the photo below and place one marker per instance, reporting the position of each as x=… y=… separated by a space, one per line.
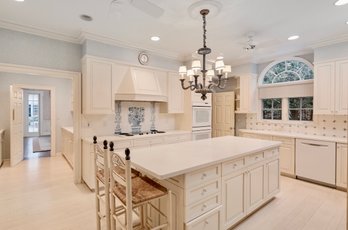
x=130 y=56
x=335 y=51
x=27 y=49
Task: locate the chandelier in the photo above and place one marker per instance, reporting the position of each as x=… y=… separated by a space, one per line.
x=220 y=68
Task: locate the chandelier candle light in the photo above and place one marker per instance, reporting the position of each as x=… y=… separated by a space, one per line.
x=220 y=68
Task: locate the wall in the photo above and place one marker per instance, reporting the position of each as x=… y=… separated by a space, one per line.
x=335 y=51
x=106 y=124
x=27 y=49
x=63 y=98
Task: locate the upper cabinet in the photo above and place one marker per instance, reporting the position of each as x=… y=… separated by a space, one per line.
x=97 y=86
x=330 y=84
x=175 y=95
x=245 y=94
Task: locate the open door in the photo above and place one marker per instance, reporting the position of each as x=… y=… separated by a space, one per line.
x=16 y=125
x=223 y=114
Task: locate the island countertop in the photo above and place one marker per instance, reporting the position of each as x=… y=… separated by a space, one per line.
x=166 y=161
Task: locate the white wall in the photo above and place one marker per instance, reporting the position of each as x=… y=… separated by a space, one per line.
x=335 y=51
x=63 y=89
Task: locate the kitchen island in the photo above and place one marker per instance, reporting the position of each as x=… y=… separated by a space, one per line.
x=215 y=182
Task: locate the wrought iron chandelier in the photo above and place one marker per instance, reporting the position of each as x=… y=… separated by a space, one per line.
x=220 y=69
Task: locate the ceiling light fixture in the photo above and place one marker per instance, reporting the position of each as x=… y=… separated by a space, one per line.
x=294 y=37
x=220 y=68
x=19 y=0
x=155 y=38
x=86 y=17
x=341 y=2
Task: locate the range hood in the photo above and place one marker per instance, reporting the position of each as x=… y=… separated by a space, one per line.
x=140 y=85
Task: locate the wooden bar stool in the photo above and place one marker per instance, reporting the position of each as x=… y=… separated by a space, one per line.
x=136 y=194
x=102 y=183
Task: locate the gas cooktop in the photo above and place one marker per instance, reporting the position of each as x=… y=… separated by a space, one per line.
x=153 y=131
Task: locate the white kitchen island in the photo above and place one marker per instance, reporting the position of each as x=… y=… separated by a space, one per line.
x=215 y=182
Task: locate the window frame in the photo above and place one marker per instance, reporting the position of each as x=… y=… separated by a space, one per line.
x=272 y=109
x=300 y=109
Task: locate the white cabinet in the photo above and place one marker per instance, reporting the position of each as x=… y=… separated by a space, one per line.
x=330 y=84
x=341 y=166
x=2 y=132
x=247 y=183
x=209 y=221
x=175 y=95
x=97 y=86
x=246 y=94
x=67 y=146
x=287 y=155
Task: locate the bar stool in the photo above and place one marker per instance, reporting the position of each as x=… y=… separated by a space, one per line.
x=102 y=183
x=136 y=194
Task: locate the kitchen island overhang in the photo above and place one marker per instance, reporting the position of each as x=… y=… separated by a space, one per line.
x=215 y=182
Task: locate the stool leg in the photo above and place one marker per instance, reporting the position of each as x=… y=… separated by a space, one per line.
x=170 y=211
x=97 y=204
x=112 y=220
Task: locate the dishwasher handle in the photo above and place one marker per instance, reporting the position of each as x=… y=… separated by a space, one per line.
x=312 y=144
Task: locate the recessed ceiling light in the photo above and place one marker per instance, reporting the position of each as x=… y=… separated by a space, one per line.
x=294 y=37
x=347 y=22
x=86 y=17
x=19 y=0
x=341 y=2
x=155 y=38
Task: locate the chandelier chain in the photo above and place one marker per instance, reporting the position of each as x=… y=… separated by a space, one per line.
x=204 y=32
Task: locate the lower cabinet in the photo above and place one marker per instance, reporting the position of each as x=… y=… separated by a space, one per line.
x=246 y=189
x=341 y=164
x=68 y=146
x=210 y=220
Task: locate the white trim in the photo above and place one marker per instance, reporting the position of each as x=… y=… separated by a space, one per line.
x=268 y=67
x=76 y=83
x=53 y=110
x=333 y=41
x=38 y=31
x=330 y=60
x=310 y=81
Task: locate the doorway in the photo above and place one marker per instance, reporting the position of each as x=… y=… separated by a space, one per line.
x=32 y=122
x=37 y=122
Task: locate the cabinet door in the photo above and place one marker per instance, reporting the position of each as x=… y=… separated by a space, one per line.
x=272 y=178
x=287 y=161
x=341 y=106
x=175 y=94
x=88 y=164
x=248 y=86
x=324 y=88
x=341 y=172
x=97 y=88
x=255 y=188
x=233 y=190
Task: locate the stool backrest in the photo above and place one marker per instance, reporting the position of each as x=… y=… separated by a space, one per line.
x=101 y=159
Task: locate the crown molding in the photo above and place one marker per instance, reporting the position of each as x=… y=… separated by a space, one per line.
x=38 y=31
x=111 y=41
x=328 y=42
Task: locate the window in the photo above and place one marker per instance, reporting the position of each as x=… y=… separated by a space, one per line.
x=301 y=109
x=288 y=71
x=272 y=109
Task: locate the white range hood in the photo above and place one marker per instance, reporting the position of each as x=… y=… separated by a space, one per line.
x=140 y=85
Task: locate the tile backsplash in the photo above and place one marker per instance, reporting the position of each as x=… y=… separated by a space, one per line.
x=322 y=125
x=122 y=121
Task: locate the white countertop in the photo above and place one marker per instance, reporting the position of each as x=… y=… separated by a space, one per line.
x=296 y=135
x=122 y=138
x=69 y=129
x=166 y=161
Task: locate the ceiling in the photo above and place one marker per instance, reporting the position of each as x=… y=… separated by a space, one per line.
x=271 y=21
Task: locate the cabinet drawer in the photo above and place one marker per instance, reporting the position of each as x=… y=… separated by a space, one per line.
x=198 y=193
x=197 y=209
x=177 y=138
x=285 y=140
x=156 y=141
x=208 y=221
x=141 y=142
x=123 y=144
x=253 y=158
x=201 y=176
x=232 y=166
x=271 y=153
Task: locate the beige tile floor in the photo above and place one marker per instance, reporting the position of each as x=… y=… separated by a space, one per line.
x=40 y=194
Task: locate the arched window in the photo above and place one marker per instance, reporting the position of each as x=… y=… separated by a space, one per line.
x=289 y=70
x=286 y=90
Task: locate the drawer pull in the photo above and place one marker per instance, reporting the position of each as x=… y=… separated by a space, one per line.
x=204 y=191
x=256 y=158
x=234 y=165
x=203 y=207
x=206 y=222
x=203 y=176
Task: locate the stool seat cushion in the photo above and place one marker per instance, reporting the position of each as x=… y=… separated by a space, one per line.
x=143 y=189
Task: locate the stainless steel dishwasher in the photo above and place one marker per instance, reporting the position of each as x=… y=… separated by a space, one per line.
x=316 y=161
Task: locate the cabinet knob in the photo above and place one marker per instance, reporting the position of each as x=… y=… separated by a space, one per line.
x=204 y=206
x=203 y=175
x=234 y=165
x=204 y=191
x=206 y=222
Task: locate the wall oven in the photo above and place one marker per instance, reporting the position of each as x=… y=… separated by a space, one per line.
x=201 y=133
x=201 y=116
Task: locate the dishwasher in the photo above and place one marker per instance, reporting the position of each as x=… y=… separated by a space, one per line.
x=316 y=161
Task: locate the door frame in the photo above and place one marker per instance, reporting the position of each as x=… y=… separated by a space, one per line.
x=52 y=91
x=75 y=77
